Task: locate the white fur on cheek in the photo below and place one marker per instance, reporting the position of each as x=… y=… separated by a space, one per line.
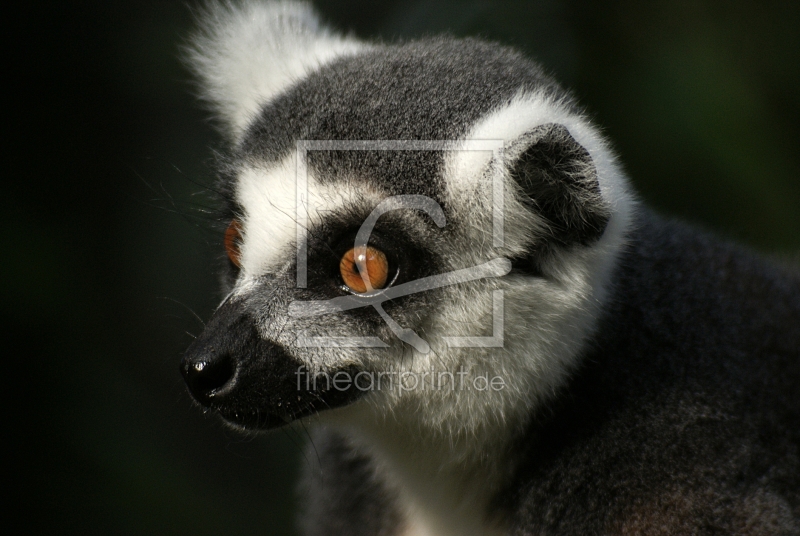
x=547 y=320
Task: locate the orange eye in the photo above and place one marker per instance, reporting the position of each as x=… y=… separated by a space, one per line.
x=368 y=261
x=233 y=237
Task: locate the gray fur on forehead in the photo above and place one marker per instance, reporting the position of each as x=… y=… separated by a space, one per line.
x=432 y=89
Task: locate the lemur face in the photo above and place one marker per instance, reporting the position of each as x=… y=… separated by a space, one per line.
x=372 y=258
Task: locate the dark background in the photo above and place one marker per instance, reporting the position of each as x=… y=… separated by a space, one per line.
x=107 y=249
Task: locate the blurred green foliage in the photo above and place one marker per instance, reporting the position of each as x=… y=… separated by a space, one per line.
x=109 y=250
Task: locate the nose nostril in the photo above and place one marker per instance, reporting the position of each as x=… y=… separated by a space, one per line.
x=205 y=378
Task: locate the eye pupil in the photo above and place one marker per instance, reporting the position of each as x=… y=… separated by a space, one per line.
x=364 y=270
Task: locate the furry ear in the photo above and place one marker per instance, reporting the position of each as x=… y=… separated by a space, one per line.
x=246 y=52
x=558 y=180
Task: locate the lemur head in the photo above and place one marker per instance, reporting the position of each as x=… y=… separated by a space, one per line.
x=398 y=214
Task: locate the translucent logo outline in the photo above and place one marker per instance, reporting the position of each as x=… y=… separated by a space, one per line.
x=495 y=268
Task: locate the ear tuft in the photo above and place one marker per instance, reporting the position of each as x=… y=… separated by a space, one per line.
x=559 y=182
x=246 y=52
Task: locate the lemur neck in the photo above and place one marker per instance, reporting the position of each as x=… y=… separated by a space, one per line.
x=444 y=481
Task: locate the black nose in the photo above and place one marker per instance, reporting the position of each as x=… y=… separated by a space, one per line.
x=207 y=376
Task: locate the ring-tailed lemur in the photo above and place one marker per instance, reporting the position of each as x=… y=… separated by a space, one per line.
x=434 y=255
